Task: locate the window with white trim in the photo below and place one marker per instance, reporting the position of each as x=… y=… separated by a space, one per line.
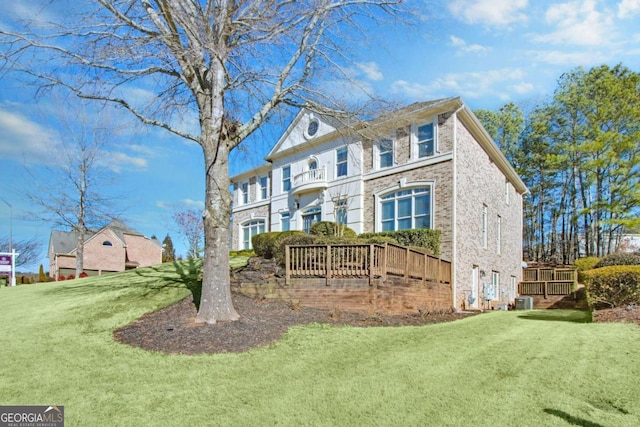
x=484 y=226
x=286 y=178
x=385 y=153
x=264 y=187
x=341 y=162
x=310 y=217
x=250 y=229
x=341 y=211
x=285 y=221
x=506 y=192
x=406 y=209
x=244 y=193
x=426 y=140
x=498 y=234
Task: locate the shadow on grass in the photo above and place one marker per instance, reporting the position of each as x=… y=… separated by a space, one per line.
x=572 y=316
x=145 y=281
x=574 y=421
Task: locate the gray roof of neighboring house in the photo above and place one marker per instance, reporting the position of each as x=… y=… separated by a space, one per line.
x=64 y=242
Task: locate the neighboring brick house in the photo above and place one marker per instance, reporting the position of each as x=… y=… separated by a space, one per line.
x=112 y=248
x=428 y=165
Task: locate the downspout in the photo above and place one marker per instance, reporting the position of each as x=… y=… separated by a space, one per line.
x=454 y=219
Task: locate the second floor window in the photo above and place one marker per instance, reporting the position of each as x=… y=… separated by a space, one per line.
x=385 y=153
x=286 y=178
x=341 y=162
x=426 y=140
x=264 y=188
x=484 y=226
x=244 y=193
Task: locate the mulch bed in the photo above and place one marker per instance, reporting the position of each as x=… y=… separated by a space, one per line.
x=262 y=322
x=628 y=314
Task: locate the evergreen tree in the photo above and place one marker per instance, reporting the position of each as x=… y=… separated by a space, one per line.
x=169 y=253
x=41 y=276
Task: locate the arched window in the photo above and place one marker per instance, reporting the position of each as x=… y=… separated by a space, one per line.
x=313 y=164
x=107 y=243
x=250 y=229
x=405 y=209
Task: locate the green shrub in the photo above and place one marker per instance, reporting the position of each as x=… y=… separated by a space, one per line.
x=620 y=258
x=266 y=245
x=379 y=240
x=331 y=229
x=423 y=238
x=242 y=252
x=613 y=286
x=584 y=264
x=298 y=238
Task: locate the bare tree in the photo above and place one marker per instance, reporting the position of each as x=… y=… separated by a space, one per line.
x=71 y=190
x=29 y=251
x=191 y=226
x=234 y=64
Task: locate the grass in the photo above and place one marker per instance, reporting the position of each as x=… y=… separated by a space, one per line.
x=551 y=368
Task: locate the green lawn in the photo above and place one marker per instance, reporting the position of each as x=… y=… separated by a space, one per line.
x=535 y=368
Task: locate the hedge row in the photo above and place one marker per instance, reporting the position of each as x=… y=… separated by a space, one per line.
x=613 y=286
x=421 y=238
x=266 y=245
x=331 y=229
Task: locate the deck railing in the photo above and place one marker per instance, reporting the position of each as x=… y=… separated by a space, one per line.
x=364 y=261
x=548 y=281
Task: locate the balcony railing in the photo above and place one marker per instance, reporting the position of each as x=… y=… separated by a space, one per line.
x=313 y=179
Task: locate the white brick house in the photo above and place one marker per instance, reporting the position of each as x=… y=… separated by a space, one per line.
x=428 y=165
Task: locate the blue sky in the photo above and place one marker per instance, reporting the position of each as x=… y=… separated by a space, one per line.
x=487 y=51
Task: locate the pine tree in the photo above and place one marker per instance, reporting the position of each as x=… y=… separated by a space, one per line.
x=41 y=277
x=169 y=253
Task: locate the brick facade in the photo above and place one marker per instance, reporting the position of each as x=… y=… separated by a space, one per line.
x=465 y=173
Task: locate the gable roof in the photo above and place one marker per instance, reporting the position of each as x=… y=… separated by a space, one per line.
x=64 y=242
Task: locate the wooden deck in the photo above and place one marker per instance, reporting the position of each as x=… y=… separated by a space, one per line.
x=548 y=281
x=387 y=279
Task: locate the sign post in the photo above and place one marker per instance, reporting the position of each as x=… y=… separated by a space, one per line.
x=7 y=266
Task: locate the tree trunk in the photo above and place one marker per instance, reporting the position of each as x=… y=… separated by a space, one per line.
x=215 y=303
x=79 y=253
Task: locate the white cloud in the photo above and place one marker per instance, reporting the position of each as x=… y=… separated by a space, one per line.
x=371 y=70
x=193 y=204
x=556 y=57
x=577 y=22
x=522 y=88
x=464 y=47
x=469 y=85
x=23 y=139
x=117 y=161
x=628 y=8
x=492 y=13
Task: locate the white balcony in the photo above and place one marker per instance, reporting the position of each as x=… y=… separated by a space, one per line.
x=311 y=180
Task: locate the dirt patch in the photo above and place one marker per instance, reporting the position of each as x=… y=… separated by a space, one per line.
x=628 y=314
x=262 y=322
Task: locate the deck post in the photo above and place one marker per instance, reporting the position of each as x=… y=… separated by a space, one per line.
x=425 y=259
x=287 y=263
x=383 y=263
x=371 y=263
x=328 y=266
x=438 y=272
x=406 y=266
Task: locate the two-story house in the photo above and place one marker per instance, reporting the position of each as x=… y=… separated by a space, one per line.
x=114 y=247
x=428 y=165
